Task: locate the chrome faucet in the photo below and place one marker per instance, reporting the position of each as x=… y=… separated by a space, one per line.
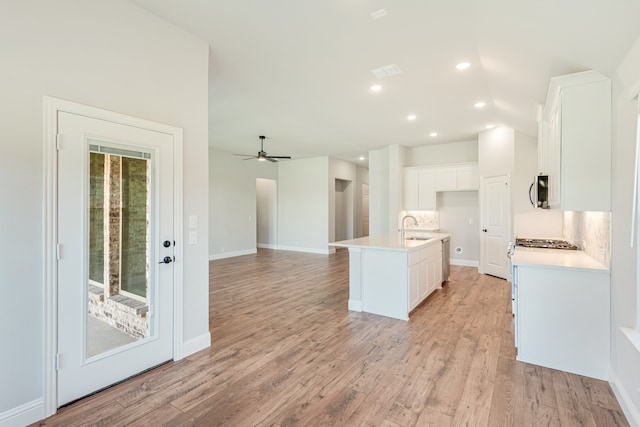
x=415 y=222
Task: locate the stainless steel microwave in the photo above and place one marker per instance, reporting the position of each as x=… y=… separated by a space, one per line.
x=539 y=192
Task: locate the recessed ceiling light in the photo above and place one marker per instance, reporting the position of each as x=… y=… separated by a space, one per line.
x=362 y=158
x=433 y=134
x=490 y=126
x=379 y=14
x=463 y=66
x=411 y=117
x=480 y=104
x=376 y=88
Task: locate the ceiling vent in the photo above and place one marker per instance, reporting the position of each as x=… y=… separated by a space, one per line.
x=379 y=14
x=386 y=71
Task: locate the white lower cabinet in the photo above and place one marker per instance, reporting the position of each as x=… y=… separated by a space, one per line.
x=562 y=318
x=425 y=273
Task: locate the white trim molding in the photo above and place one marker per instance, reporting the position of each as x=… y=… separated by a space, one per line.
x=196 y=344
x=625 y=401
x=23 y=415
x=308 y=250
x=224 y=255
x=51 y=108
x=464 y=262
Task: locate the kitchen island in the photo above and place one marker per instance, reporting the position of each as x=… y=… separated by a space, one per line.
x=389 y=275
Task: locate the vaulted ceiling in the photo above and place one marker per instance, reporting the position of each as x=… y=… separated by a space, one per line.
x=299 y=71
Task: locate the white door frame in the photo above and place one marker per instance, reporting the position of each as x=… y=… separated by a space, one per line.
x=51 y=107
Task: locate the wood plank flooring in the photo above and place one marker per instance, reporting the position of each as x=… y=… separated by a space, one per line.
x=287 y=352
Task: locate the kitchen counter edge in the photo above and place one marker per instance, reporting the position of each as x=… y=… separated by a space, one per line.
x=390 y=241
x=557 y=258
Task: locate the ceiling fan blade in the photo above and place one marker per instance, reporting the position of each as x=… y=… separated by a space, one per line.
x=279 y=157
x=272 y=160
x=250 y=158
x=245 y=155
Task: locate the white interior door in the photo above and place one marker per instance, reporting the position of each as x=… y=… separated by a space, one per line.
x=115 y=253
x=365 y=209
x=496 y=225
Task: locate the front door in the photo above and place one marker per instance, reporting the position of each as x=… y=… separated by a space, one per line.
x=115 y=253
x=496 y=225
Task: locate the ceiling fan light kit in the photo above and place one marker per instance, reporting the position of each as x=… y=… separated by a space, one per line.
x=262 y=155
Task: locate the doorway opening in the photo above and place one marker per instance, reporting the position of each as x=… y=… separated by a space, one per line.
x=343 y=210
x=266 y=213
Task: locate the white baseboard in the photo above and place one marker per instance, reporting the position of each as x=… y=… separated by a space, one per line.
x=196 y=344
x=232 y=254
x=23 y=415
x=464 y=262
x=267 y=246
x=308 y=250
x=355 y=305
x=625 y=401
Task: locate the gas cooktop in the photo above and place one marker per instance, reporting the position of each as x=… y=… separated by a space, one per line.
x=545 y=243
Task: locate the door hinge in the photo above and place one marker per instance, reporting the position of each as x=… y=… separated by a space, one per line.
x=58 y=141
x=58 y=361
x=58 y=251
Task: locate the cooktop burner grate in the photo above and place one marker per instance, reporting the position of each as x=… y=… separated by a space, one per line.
x=545 y=243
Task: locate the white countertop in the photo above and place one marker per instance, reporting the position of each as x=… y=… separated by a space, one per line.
x=555 y=258
x=390 y=241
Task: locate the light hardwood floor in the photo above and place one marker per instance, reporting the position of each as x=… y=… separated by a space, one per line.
x=286 y=352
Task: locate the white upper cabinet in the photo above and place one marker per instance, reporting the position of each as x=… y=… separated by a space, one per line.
x=575 y=142
x=422 y=183
x=419 y=190
x=446 y=179
x=457 y=177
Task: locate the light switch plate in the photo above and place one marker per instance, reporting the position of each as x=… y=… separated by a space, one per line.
x=193 y=221
x=193 y=237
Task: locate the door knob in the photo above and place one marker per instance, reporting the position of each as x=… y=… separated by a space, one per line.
x=166 y=260
x=484 y=230
x=166 y=243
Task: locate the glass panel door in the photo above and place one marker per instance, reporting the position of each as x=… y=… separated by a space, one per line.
x=118 y=287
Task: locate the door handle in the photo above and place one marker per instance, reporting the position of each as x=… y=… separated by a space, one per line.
x=166 y=260
x=484 y=230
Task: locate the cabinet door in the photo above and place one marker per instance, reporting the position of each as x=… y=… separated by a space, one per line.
x=585 y=175
x=446 y=179
x=438 y=275
x=425 y=273
x=411 y=201
x=467 y=178
x=414 y=285
x=426 y=190
x=552 y=152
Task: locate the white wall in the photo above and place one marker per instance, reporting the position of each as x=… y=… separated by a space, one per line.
x=438 y=154
x=385 y=188
x=456 y=208
x=232 y=202
x=111 y=55
x=625 y=357
x=303 y=205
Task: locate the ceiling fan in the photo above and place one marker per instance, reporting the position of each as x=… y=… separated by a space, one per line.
x=262 y=155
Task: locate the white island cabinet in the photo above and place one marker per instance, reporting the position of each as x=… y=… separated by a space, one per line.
x=389 y=276
x=561 y=311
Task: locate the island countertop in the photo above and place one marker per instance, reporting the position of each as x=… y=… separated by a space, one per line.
x=392 y=241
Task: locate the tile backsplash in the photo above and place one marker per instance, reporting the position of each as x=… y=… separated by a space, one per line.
x=427 y=220
x=590 y=232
